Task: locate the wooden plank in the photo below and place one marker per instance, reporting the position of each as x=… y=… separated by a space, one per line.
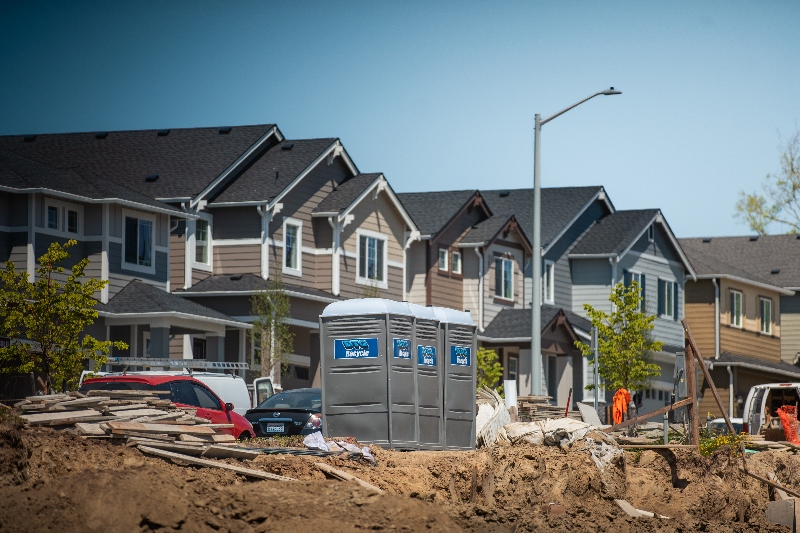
x=60 y=417
x=341 y=474
x=779 y=493
x=225 y=452
x=127 y=407
x=706 y=374
x=219 y=426
x=642 y=418
x=691 y=394
x=207 y=438
x=194 y=451
x=156 y=436
x=169 y=429
x=83 y=401
x=249 y=472
x=85 y=428
x=772 y=484
x=139 y=412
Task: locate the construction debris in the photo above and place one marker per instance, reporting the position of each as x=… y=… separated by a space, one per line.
x=533 y=408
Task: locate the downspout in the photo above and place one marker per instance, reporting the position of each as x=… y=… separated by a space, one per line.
x=480 y=287
x=104 y=266
x=410 y=236
x=187 y=257
x=265 y=219
x=613 y=262
x=335 y=260
x=730 y=390
x=31 y=247
x=716 y=323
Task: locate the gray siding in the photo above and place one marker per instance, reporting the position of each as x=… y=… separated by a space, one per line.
x=92 y=219
x=13 y=209
x=591 y=283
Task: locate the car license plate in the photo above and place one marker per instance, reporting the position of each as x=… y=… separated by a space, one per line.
x=274 y=428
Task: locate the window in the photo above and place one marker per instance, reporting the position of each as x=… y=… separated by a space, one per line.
x=548 y=283
x=736 y=309
x=640 y=279
x=52 y=217
x=138 y=242
x=513 y=365
x=205 y=399
x=456 y=262
x=651 y=233
x=766 y=315
x=201 y=242
x=372 y=260
x=72 y=221
x=442 y=259
x=552 y=379
x=292 y=242
x=668 y=299
x=199 y=348
x=146 y=343
x=504 y=278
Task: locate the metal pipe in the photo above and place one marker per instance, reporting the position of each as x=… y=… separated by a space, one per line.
x=730 y=390
x=480 y=287
x=716 y=318
x=536 y=263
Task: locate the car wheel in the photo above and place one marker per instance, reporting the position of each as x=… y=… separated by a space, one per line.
x=245 y=436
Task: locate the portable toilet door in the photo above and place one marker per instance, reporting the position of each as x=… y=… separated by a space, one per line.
x=430 y=428
x=458 y=353
x=402 y=385
x=353 y=354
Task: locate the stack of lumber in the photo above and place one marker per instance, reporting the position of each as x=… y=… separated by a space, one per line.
x=534 y=408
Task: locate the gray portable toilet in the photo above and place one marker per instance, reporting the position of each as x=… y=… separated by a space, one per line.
x=458 y=354
x=368 y=387
x=429 y=374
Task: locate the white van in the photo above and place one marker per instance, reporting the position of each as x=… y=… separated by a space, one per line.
x=767 y=396
x=230 y=388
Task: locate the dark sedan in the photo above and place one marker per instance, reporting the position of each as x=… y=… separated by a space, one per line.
x=292 y=412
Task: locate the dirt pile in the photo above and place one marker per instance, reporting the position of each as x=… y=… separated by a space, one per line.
x=57 y=480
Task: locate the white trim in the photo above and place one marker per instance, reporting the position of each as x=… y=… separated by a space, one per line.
x=192 y=225
x=236 y=242
x=740 y=325
x=104 y=266
x=228 y=172
x=62 y=208
x=78 y=198
x=394 y=264
x=671 y=295
x=446 y=267
x=297 y=272
x=291 y=321
x=762 y=299
x=334 y=146
x=549 y=298
x=460 y=263
x=483 y=338
x=601 y=195
x=512 y=261
x=135 y=267
x=381 y=284
x=176 y=314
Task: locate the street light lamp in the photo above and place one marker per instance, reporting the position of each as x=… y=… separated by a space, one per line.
x=536 y=260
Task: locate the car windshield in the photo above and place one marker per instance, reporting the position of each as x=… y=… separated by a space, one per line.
x=309 y=399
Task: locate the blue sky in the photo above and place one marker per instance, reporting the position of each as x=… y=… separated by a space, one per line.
x=438 y=95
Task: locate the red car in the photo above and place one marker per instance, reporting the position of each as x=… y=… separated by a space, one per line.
x=185 y=391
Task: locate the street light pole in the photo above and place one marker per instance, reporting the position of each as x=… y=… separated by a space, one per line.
x=536 y=259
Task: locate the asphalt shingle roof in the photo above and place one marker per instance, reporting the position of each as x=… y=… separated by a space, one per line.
x=432 y=210
x=140 y=297
x=559 y=206
x=486 y=229
x=516 y=323
x=186 y=159
x=345 y=193
x=274 y=171
x=21 y=172
x=752 y=259
x=613 y=233
x=727 y=357
x=246 y=283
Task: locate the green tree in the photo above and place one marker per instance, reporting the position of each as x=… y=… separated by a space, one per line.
x=271 y=333
x=46 y=318
x=624 y=341
x=780 y=201
x=489 y=371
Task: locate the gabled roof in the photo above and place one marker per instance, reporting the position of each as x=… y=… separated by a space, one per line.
x=516 y=323
x=612 y=234
x=485 y=232
x=186 y=159
x=346 y=193
x=23 y=174
x=432 y=211
x=560 y=207
x=248 y=284
x=139 y=298
x=754 y=259
x=279 y=169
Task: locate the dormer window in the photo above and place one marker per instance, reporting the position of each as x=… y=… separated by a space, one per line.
x=651 y=233
x=63 y=217
x=443 y=259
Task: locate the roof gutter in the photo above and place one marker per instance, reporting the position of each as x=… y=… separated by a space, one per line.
x=176 y=314
x=780 y=290
x=751 y=366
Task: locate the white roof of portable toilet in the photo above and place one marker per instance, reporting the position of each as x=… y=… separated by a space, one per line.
x=420 y=311
x=451 y=316
x=366 y=306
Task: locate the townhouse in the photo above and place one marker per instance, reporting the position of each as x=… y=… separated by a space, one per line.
x=188 y=223
x=744 y=313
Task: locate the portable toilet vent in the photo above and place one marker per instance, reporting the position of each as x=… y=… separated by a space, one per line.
x=429 y=374
x=367 y=372
x=458 y=352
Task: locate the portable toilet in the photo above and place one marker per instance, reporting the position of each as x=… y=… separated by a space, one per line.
x=368 y=387
x=458 y=337
x=429 y=374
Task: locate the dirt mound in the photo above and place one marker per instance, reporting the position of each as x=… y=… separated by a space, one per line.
x=57 y=480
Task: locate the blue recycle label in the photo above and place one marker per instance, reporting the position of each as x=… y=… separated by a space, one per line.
x=402 y=349
x=355 y=348
x=426 y=355
x=460 y=356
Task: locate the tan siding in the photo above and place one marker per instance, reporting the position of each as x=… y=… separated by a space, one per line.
x=176 y=347
x=199 y=275
x=699 y=312
x=790 y=339
x=415 y=270
x=350 y=289
x=749 y=343
x=244 y=259
x=324 y=274
x=748 y=340
x=447 y=291
x=177 y=255
x=707 y=403
x=309 y=269
x=491 y=305
x=379 y=216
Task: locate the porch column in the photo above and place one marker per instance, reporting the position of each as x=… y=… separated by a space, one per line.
x=159 y=342
x=215 y=348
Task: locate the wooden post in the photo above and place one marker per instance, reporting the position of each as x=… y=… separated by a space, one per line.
x=691 y=393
